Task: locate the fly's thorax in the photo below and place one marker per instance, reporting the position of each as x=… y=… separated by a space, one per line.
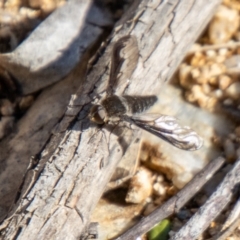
x=110 y=109
x=98 y=114
x=114 y=106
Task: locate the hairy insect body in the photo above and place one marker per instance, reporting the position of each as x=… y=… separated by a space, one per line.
x=115 y=107
x=127 y=105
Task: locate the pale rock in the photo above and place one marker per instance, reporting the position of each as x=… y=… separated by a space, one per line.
x=224 y=25
x=229 y=149
x=182 y=179
x=233 y=91
x=198 y=59
x=228 y=102
x=211 y=53
x=237 y=131
x=238 y=152
x=195 y=72
x=159 y=189
x=206 y=88
x=223 y=51
x=6 y=125
x=184 y=74
x=218 y=93
x=140 y=187
x=25 y=102
x=224 y=81
x=233 y=62
x=149 y=208
x=7 y=108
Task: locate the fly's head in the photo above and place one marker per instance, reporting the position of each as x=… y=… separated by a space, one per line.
x=98 y=114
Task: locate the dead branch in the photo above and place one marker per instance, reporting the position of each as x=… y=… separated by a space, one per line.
x=213 y=207
x=175 y=203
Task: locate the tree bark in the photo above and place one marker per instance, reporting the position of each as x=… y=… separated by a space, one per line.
x=62 y=189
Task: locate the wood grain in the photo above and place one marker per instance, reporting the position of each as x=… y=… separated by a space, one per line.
x=79 y=159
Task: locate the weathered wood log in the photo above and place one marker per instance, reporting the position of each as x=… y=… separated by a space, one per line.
x=62 y=189
x=33 y=130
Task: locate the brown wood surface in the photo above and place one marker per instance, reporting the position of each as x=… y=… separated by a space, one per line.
x=62 y=189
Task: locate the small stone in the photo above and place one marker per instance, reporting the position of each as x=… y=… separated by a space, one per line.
x=196 y=47
x=159 y=189
x=217 y=94
x=232 y=136
x=233 y=91
x=238 y=152
x=140 y=187
x=223 y=51
x=201 y=199
x=217 y=69
x=160 y=178
x=7 y=108
x=228 y=102
x=206 y=88
x=184 y=214
x=209 y=103
x=214 y=228
x=224 y=81
x=232 y=62
x=237 y=131
x=29 y=13
x=182 y=179
x=149 y=208
x=171 y=233
x=6 y=125
x=25 y=102
x=220 y=59
x=211 y=53
x=201 y=80
x=213 y=81
x=224 y=25
x=198 y=59
x=176 y=224
x=184 y=75
x=229 y=150
x=195 y=72
x=171 y=191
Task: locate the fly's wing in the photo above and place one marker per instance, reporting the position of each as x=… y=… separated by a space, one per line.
x=123 y=62
x=168 y=129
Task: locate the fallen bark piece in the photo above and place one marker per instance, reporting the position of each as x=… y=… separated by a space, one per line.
x=175 y=203
x=231 y=223
x=212 y=208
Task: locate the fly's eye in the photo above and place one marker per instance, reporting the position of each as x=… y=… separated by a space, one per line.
x=97 y=114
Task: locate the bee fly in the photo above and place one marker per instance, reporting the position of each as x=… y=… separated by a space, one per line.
x=129 y=108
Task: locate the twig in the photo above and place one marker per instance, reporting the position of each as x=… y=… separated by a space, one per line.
x=175 y=203
x=210 y=210
x=215 y=47
x=230 y=225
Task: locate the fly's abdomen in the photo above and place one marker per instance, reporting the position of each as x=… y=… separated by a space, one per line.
x=138 y=104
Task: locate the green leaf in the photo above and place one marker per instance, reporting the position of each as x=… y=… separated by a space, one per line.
x=160 y=231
